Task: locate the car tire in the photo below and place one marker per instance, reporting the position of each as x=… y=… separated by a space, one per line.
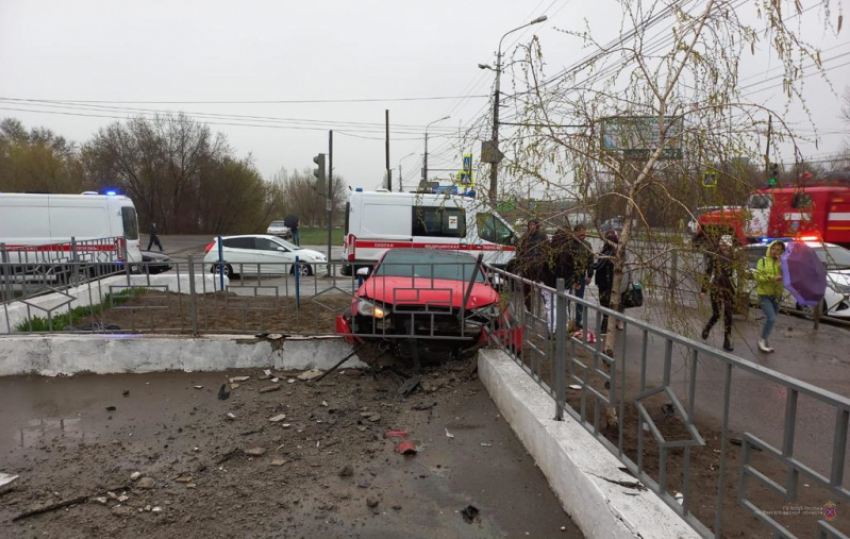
x=304 y=269
x=346 y=270
x=228 y=270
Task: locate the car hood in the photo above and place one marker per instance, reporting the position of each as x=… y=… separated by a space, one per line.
x=308 y=254
x=839 y=277
x=422 y=291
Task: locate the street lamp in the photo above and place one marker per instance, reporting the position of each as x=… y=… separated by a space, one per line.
x=400 y=177
x=495 y=138
x=425 y=161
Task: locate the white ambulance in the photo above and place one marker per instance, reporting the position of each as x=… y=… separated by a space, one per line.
x=378 y=221
x=39 y=228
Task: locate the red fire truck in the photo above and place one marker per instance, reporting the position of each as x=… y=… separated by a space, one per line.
x=817 y=209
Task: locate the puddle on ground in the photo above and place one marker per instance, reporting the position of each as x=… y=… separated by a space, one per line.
x=37 y=430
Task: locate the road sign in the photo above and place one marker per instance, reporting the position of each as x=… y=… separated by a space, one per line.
x=465 y=178
x=709 y=179
x=467 y=161
x=490 y=152
x=637 y=137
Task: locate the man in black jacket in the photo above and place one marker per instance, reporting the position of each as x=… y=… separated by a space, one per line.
x=582 y=274
x=604 y=268
x=530 y=260
x=720 y=283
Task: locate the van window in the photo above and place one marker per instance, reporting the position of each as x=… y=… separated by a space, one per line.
x=760 y=202
x=347 y=213
x=801 y=201
x=131 y=224
x=439 y=222
x=491 y=228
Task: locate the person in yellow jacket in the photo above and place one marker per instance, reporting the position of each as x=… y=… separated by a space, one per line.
x=770 y=288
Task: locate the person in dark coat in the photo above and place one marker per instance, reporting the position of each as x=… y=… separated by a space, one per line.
x=531 y=258
x=582 y=271
x=154 y=239
x=720 y=283
x=604 y=269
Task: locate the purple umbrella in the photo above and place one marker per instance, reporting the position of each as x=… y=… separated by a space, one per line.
x=803 y=274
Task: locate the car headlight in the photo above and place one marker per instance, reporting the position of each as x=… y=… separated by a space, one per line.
x=367 y=308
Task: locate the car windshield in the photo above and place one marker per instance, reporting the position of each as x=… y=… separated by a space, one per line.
x=290 y=246
x=278 y=223
x=834 y=257
x=428 y=265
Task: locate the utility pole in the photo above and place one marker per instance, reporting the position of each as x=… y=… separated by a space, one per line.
x=767 y=151
x=389 y=170
x=330 y=200
x=494 y=167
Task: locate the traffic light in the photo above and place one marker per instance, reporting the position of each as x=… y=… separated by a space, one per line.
x=773 y=178
x=319 y=173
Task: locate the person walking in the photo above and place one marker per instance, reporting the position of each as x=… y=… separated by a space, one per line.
x=296 y=236
x=720 y=283
x=531 y=258
x=582 y=271
x=154 y=239
x=604 y=275
x=769 y=289
x=559 y=265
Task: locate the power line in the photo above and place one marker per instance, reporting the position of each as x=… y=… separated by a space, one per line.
x=276 y=101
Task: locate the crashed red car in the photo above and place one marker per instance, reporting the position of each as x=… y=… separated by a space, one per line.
x=433 y=297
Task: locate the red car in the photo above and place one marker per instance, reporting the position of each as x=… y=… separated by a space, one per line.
x=438 y=298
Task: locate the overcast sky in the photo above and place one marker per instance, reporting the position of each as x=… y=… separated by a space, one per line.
x=151 y=50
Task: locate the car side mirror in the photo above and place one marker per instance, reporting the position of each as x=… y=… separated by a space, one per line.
x=363 y=272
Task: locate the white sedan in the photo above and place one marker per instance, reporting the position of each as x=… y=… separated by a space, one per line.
x=256 y=254
x=836 y=300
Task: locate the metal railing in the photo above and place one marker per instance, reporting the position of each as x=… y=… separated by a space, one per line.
x=664 y=405
x=27 y=271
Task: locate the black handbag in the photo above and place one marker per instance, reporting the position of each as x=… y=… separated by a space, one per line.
x=632 y=296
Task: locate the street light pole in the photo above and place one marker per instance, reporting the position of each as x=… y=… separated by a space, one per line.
x=400 y=177
x=494 y=167
x=425 y=161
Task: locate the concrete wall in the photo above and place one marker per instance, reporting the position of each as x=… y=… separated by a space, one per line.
x=575 y=464
x=93 y=293
x=52 y=355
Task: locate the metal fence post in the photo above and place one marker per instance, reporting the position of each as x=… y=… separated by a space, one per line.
x=6 y=273
x=193 y=298
x=560 y=350
x=297 y=271
x=220 y=265
x=75 y=263
x=127 y=260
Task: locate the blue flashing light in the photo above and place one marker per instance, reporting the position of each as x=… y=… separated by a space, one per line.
x=111 y=192
x=358 y=189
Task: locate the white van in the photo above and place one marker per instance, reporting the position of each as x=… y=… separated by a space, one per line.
x=39 y=228
x=378 y=221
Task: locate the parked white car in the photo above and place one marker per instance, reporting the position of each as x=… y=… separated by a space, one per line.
x=836 y=300
x=266 y=254
x=279 y=229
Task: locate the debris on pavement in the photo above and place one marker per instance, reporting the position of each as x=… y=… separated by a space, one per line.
x=278 y=461
x=680 y=498
x=269 y=389
x=469 y=513
x=347 y=471
x=146 y=483
x=449 y=434
x=423 y=406
x=575 y=387
x=6 y=482
x=278 y=418
x=199 y=387
x=406 y=448
x=312 y=374
x=255 y=451
x=396 y=434
x=230 y=416
x=239 y=379
x=409 y=387
x=372 y=501
x=223 y=393
x=126 y=393
x=135 y=476
x=111 y=408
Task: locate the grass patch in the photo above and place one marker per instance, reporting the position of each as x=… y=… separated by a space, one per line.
x=60 y=322
x=319 y=236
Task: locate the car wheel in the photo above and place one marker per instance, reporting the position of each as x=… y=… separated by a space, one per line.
x=304 y=270
x=346 y=270
x=808 y=311
x=228 y=270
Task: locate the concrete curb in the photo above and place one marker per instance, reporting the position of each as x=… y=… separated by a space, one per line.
x=574 y=462
x=52 y=355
